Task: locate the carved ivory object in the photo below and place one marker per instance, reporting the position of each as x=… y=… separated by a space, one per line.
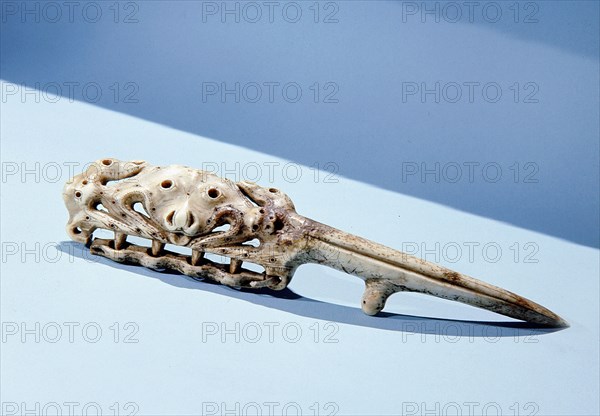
x=184 y=206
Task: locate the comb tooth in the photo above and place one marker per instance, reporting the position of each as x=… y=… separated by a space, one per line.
x=235 y=266
x=197 y=255
x=120 y=239
x=157 y=247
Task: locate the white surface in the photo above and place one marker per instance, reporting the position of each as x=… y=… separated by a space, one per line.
x=377 y=365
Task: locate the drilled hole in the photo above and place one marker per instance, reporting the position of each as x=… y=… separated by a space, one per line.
x=166 y=184
x=278 y=225
x=78 y=194
x=107 y=162
x=213 y=193
x=273 y=190
x=84 y=182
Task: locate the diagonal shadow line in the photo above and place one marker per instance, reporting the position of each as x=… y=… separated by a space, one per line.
x=292 y=302
x=524 y=215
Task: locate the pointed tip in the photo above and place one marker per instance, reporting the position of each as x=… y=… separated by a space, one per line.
x=561 y=323
x=547 y=318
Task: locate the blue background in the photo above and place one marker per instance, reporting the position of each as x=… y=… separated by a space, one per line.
x=372 y=49
x=424 y=353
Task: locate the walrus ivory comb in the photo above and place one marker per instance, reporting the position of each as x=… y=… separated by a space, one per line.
x=191 y=208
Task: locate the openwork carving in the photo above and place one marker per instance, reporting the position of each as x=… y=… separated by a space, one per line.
x=250 y=224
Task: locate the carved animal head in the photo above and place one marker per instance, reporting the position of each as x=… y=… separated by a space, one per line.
x=191 y=208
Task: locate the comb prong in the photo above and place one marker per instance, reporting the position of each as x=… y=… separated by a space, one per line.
x=157 y=247
x=235 y=266
x=120 y=239
x=197 y=256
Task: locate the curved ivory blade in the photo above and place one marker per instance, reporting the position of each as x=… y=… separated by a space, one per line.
x=246 y=223
x=387 y=271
